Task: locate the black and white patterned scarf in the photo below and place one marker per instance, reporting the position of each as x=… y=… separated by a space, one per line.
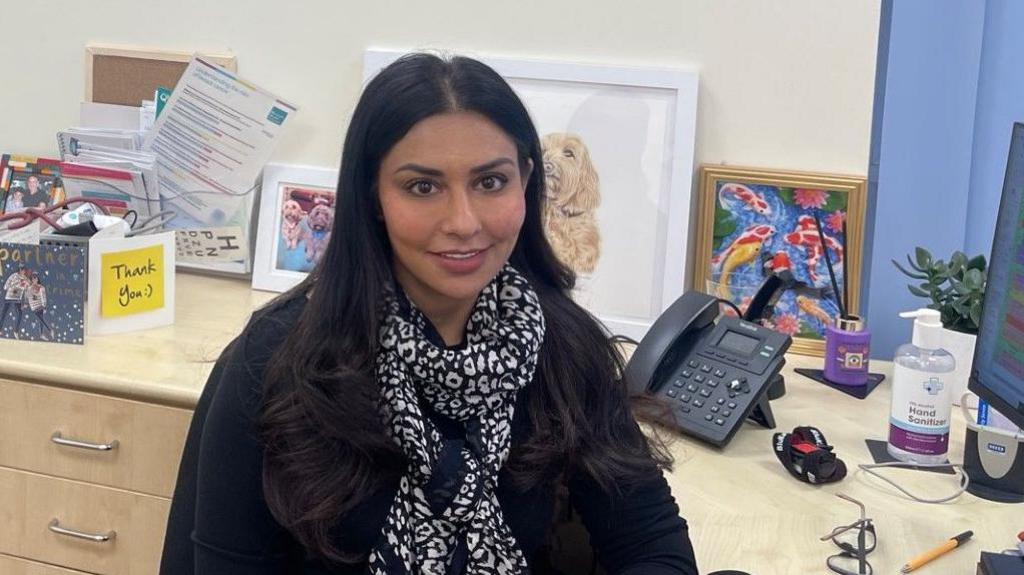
x=446 y=508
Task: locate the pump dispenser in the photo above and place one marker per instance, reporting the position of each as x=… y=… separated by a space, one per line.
x=921 y=393
x=927 y=327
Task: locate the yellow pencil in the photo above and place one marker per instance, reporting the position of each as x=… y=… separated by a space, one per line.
x=927 y=556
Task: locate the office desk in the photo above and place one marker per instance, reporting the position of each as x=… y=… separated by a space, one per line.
x=745 y=511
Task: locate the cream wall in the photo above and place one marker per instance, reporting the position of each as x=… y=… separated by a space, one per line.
x=782 y=83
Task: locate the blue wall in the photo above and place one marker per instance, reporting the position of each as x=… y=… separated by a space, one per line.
x=949 y=87
x=1000 y=103
x=923 y=147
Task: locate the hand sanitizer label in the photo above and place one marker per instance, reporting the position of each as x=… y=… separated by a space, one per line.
x=919 y=422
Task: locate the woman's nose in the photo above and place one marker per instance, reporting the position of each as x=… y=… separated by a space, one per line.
x=461 y=218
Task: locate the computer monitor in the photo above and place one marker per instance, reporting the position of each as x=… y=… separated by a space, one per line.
x=997 y=375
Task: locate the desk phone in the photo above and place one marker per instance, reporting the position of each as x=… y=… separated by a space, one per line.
x=711 y=375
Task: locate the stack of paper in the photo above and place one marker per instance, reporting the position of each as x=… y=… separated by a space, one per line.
x=106 y=166
x=76 y=140
x=116 y=189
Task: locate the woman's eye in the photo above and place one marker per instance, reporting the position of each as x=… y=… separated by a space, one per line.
x=421 y=188
x=492 y=183
x=568 y=153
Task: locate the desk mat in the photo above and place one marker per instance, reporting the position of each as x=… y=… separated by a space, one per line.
x=858 y=391
x=881 y=455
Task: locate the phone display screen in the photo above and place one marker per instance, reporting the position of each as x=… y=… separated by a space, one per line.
x=738 y=343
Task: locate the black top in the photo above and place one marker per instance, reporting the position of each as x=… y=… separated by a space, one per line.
x=637 y=532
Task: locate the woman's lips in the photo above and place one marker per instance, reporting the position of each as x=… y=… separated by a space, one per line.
x=461 y=261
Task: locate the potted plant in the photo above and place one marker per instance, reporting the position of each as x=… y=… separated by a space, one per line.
x=957 y=290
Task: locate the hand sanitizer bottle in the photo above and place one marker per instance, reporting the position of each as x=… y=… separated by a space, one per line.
x=921 y=393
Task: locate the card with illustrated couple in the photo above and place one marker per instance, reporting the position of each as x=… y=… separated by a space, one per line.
x=43 y=293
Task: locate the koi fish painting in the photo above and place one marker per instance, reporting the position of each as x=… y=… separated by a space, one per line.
x=755 y=223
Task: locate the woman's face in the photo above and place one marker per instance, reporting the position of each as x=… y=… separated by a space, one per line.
x=453 y=202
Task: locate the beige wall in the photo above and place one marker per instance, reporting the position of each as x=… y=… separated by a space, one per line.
x=786 y=83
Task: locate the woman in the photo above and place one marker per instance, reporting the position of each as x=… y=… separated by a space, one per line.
x=35 y=296
x=412 y=406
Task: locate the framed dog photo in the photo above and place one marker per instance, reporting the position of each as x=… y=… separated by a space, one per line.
x=295 y=221
x=754 y=223
x=618 y=159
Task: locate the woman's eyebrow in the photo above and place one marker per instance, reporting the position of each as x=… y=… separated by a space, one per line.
x=420 y=169
x=491 y=165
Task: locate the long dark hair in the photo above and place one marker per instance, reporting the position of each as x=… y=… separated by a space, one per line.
x=325 y=445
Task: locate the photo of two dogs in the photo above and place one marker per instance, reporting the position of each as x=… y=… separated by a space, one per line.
x=307 y=217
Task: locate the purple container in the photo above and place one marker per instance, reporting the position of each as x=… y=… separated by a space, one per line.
x=847 y=346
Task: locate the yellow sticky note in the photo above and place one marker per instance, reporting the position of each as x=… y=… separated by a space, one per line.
x=132 y=281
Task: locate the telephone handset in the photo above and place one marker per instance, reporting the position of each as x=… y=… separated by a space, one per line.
x=711 y=375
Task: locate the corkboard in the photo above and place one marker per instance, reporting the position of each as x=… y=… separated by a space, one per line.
x=127 y=76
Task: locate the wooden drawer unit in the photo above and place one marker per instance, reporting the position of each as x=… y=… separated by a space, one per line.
x=72 y=434
x=37 y=512
x=15 y=566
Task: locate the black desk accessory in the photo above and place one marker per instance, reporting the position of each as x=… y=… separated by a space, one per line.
x=880 y=455
x=1000 y=564
x=858 y=391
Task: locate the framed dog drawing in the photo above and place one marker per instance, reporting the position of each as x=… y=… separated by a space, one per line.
x=295 y=222
x=754 y=223
x=571 y=201
x=618 y=147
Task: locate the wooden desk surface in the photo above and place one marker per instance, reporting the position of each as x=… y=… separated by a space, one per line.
x=167 y=365
x=745 y=511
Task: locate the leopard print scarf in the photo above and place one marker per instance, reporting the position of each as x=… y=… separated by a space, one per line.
x=445 y=508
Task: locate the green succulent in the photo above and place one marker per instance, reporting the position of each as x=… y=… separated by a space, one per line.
x=956 y=289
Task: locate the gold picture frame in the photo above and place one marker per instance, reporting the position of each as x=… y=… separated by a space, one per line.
x=753 y=221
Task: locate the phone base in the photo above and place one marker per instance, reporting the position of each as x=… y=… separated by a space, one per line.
x=777 y=387
x=762 y=413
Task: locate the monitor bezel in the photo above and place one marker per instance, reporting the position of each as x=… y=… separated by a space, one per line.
x=974 y=383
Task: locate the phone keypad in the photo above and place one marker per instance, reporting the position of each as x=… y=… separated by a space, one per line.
x=709 y=397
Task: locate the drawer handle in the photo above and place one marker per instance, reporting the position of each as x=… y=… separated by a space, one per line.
x=101 y=538
x=56 y=438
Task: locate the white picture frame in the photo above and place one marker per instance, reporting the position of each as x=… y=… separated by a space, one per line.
x=644 y=244
x=277 y=266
